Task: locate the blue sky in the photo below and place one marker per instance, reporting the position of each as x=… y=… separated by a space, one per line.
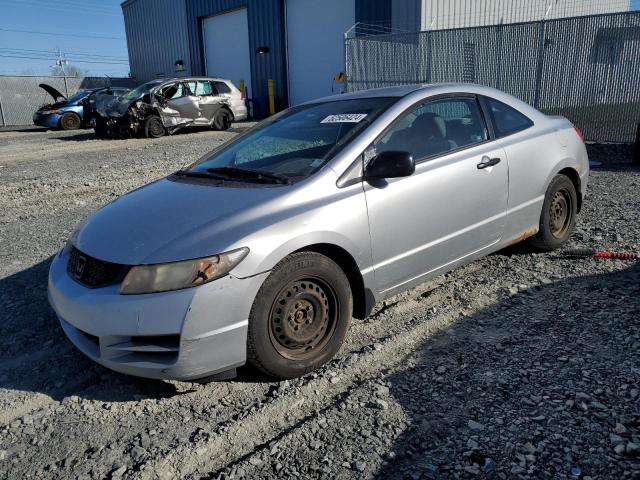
x=634 y=4
x=89 y=32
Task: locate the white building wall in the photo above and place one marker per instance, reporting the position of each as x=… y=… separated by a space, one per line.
x=441 y=14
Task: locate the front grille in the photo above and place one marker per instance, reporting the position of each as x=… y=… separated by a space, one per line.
x=92 y=272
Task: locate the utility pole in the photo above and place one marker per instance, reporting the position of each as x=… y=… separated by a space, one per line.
x=61 y=61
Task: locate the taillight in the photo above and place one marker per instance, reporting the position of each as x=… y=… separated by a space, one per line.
x=242 y=97
x=580 y=134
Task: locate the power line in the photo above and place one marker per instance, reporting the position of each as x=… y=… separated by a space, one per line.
x=57 y=7
x=87 y=5
x=30 y=57
x=72 y=53
x=76 y=35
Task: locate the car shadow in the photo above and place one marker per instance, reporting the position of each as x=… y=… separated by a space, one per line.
x=90 y=135
x=37 y=357
x=527 y=386
x=24 y=129
x=78 y=137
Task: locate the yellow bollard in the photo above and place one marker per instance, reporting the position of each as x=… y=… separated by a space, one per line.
x=272 y=98
x=241 y=85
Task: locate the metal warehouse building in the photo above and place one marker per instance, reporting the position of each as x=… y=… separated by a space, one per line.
x=298 y=43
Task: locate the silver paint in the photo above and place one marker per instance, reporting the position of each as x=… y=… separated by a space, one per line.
x=399 y=233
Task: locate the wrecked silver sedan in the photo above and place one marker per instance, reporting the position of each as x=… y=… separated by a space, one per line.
x=165 y=106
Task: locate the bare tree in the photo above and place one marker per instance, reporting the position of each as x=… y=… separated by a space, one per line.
x=69 y=71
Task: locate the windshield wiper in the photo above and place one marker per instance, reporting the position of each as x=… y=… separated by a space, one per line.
x=235 y=172
x=188 y=173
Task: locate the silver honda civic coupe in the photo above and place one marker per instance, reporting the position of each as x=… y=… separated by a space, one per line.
x=264 y=249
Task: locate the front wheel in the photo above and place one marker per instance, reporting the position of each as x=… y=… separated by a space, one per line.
x=558 y=215
x=101 y=130
x=300 y=316
x=70 y=121
x=153 y=127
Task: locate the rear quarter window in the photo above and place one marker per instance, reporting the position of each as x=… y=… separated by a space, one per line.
x=222 y=87
x=506 y=120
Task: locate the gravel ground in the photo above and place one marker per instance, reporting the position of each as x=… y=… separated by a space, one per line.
x=520 y=365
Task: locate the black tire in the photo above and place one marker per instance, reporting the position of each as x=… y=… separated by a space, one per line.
x=101 y=130
x=558 y=215
x=70 y=121
x=153 y=127
x=300 y=316
x=222 y=119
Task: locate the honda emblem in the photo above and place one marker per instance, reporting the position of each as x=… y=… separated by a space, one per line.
x=79 y=268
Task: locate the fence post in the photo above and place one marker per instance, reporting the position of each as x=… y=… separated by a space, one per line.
x=636 y=147
x=429 y=55
x=66 y=89
x=4 y=124
x=540 y=65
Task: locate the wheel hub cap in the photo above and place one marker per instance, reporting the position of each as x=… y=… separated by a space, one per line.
x=302 y=318
x=560 y=213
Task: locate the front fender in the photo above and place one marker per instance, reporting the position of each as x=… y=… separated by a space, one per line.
x=77 y=109
x=269 y=261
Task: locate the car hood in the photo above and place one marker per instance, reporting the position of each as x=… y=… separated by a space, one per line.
x=52 y=91
x=171 y=220
x=51 y=106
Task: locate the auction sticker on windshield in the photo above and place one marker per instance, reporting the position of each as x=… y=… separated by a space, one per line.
x=345 y=118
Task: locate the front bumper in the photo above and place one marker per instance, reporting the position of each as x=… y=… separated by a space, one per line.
x=183 y=335
x=49 y=121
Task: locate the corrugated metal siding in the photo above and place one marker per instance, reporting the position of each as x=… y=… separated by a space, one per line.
x=157 y=37
x=266 y=28
x=374 y=12
x=405 y=15
x=441 y=14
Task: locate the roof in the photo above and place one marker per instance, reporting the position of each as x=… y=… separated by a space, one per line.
x=404 y=90
x=437 y=89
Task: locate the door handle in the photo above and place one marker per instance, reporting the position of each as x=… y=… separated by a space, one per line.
x=488 y=162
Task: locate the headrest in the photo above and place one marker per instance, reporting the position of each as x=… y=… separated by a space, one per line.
x=431 y=124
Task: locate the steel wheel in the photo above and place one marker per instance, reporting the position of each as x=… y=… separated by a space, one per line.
x=303 y=318
x=300 y=315
x=560 y=210
x=154 y=127
x=558 y=216
x=70 y=121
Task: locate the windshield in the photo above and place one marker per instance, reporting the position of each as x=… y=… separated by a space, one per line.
x=297 y=142
x=79 y=95
x=141 y=90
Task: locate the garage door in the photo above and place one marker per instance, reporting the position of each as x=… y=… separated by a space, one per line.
x=315 y=46
x=226 y=47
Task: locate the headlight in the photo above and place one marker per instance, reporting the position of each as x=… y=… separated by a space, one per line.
x=177 y=275
x=49 y=112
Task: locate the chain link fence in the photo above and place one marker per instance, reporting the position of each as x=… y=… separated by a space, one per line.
x=20 y=96
x=584 y=68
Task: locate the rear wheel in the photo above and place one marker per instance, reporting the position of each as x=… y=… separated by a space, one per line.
x=153 y=127
x=558 y=214
x=222 y=119
x=70 y=121
x=300 y=316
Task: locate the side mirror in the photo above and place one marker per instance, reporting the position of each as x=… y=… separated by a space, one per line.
x=391 y=164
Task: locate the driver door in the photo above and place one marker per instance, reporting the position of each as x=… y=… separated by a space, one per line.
x=451 y=207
